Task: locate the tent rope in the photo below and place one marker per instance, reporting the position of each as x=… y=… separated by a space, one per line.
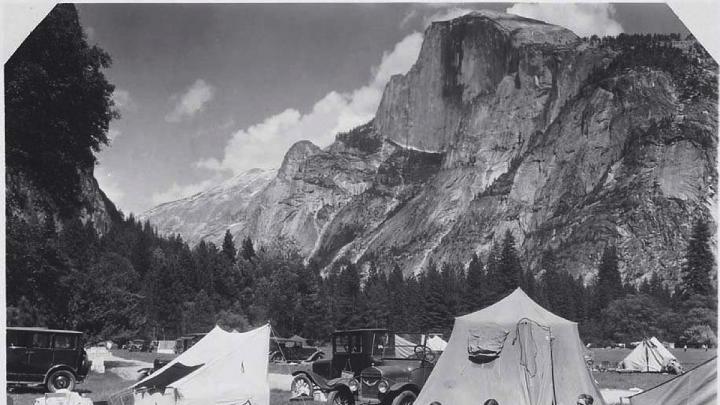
x=274 y=335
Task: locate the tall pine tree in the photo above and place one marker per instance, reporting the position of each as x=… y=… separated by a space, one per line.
x=609 y=284
x=699 y=262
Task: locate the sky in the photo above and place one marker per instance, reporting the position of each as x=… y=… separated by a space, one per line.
x=208 y=91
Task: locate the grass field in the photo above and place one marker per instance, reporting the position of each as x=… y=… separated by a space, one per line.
x=100 y=387
x=612 y=379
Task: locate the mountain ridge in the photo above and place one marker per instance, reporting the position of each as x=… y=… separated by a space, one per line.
x=507 y=124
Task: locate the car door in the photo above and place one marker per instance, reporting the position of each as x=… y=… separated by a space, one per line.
x=17 y=360
x=65 y=350
x=40 y=354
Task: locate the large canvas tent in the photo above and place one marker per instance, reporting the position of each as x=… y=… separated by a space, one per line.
x=649 y=356
x=515 y=352
x=222 y=368
x=696 y=387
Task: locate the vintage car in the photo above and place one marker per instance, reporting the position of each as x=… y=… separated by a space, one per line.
x=138 y=345
x=54 y=358
x=293 y=351
x=369 y=366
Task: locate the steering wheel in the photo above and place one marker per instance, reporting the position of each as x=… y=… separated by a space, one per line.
x=424 y=353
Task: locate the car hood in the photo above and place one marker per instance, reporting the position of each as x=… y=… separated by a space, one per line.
x=391 y=368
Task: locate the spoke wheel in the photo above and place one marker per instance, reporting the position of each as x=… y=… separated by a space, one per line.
x=340 y=398
x=405 y=398
x=301 y=386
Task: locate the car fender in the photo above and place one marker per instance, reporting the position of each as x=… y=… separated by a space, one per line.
x=337 y=383
x=61 y=367
x=316 y=379
x=404 y=386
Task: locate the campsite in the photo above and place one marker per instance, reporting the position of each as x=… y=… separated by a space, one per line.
x=360 y=204
x=514 y=350
x=100 y=387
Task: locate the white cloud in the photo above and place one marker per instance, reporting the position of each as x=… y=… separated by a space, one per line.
x=584 y=19
x=191 y=101
x=123 y=101
x=408 y=17
x=264 y=144
x=176 y=191
x=109 y=185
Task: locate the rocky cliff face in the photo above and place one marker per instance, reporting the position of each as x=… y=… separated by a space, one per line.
x=32 y=204
x=209 y=214
x=500 y=126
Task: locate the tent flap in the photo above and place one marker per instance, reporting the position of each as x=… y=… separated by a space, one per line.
x=169 y=376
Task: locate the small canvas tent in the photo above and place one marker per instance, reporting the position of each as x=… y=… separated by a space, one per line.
x=648 y=356
x=696 y=387
x=221 y=368
x=299 y=339
x=436 y=343
x=166 y=346
x=515 y=352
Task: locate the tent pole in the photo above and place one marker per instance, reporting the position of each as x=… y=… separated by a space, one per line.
x=552 y=368
x=272 y=331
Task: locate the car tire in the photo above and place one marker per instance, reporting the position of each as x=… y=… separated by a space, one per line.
x=405 y=398
x=61 y=379
x=301 y=386
x=340 y=398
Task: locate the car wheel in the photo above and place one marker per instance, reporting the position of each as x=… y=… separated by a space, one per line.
x=61 y=379
x=301 y=386
x=340 y=398
x=405 y=398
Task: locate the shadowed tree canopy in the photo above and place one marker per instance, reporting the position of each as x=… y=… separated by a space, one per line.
x=58 y=105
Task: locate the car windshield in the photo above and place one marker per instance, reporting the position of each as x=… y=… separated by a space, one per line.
x=397 y=346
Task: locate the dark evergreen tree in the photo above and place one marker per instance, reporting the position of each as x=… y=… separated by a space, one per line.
x=609 y=285
x=436 y=312
x=397 y=300
x=494 y=281
x=699 y=262
x=474 y=285
x=248 y=250
x=228 y=247
x=377 y=312
x=510 y=271
x=350 y=305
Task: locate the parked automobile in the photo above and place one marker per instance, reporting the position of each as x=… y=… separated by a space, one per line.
x=369 y=366
x=293 y=351
x=54 y=358
x=138 y=345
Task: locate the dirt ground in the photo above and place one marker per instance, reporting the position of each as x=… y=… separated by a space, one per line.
x=99 y=387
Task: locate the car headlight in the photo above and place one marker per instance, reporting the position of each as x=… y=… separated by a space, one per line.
x=353 y=385
x=383 y=386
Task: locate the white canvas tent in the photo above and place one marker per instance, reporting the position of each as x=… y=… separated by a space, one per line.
x=166 y=346
x=436 y=343
x=515 y=352
x=648 y=356
x=221 y=368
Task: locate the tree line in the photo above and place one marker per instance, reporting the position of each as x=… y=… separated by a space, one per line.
x=133 y=282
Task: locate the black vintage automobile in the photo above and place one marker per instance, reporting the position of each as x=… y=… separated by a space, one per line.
x=369 y=366
x=54 y=358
